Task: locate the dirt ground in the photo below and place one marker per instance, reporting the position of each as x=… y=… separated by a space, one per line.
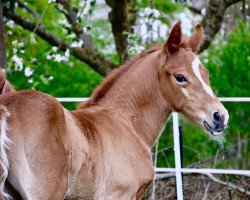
x=198 y=188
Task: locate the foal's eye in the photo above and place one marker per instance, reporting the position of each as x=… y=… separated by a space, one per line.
x=180 y=78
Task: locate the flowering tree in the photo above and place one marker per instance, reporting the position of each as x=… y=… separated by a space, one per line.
x=79 y=43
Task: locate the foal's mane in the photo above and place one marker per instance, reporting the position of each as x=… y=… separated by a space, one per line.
x=107 y=84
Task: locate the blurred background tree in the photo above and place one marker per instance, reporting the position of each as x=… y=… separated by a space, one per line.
x=65 y=48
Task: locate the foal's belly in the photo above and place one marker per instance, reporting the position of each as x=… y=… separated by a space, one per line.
x=81 y=186
x=114 y=184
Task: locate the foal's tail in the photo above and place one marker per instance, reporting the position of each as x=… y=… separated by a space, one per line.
x=4 y=142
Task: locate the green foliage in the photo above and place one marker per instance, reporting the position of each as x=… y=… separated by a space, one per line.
x=166 y=7
x=230 y=72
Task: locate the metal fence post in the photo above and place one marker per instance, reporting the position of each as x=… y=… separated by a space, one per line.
x=177 y=157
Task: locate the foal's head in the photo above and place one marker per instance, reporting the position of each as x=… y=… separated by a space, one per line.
x=185 y=85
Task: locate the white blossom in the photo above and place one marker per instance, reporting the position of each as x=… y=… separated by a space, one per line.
x=60 y=58
x=50 y=78
x=67 y=53
x=33 y=60
x=30 y=80
x=71 y=36
x=77 y=44
x=32 y=39
x=14 y=50
x=54 y=49
x=149 y=11
x=86 y=29
x=20 y=44
x=64 y=30
x=60 y=6
x=203 y=11
x=49 y=57
x=51 y=1
x=86 y=6
x=10 y=24
x=28 y=71
x=101 y=36
x=136 y=49
x=64 y=22
x=9 y=32
x=17 y=44
x=71 y=64
x=205 y=60
x=14 y=43
x=18 y=62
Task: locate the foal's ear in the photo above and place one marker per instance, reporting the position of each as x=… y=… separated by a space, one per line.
x=196 y=39
x=174 y=40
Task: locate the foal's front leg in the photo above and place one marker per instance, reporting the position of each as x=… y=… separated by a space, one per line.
x=121 y=193
x=128 y=194
x=142 y=190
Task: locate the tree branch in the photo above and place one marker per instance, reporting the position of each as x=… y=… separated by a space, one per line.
x=195 y=9
x=213 y=19
x=91 y=57
x=211 y=176
x=122 y=18
x=231 y=2
x=228 y=184
x=72 y=18
x=24 y=6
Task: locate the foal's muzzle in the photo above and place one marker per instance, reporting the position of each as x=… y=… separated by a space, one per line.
x=217 y=124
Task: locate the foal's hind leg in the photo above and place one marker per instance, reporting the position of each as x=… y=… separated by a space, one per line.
x=47 y=184
x=41 y=173
x=12 y=192
x=45 y=178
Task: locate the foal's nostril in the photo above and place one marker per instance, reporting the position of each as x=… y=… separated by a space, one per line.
x=217 y=126
x=217 y=117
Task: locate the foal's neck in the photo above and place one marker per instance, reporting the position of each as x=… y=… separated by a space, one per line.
x=135 y=98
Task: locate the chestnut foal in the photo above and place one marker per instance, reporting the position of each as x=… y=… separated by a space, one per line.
x=101 y=150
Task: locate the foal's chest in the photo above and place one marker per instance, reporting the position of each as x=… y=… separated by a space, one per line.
x=126 y=173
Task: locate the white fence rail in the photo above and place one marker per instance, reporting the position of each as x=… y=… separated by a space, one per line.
x=178 y=170
x=223 y=99
x=205 y=171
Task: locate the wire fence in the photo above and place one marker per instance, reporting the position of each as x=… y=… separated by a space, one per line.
x=178 y=170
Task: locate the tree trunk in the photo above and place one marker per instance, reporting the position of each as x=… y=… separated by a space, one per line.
x=213 y=19
x=122 y=18
x=5 y=86
x=3 y=63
